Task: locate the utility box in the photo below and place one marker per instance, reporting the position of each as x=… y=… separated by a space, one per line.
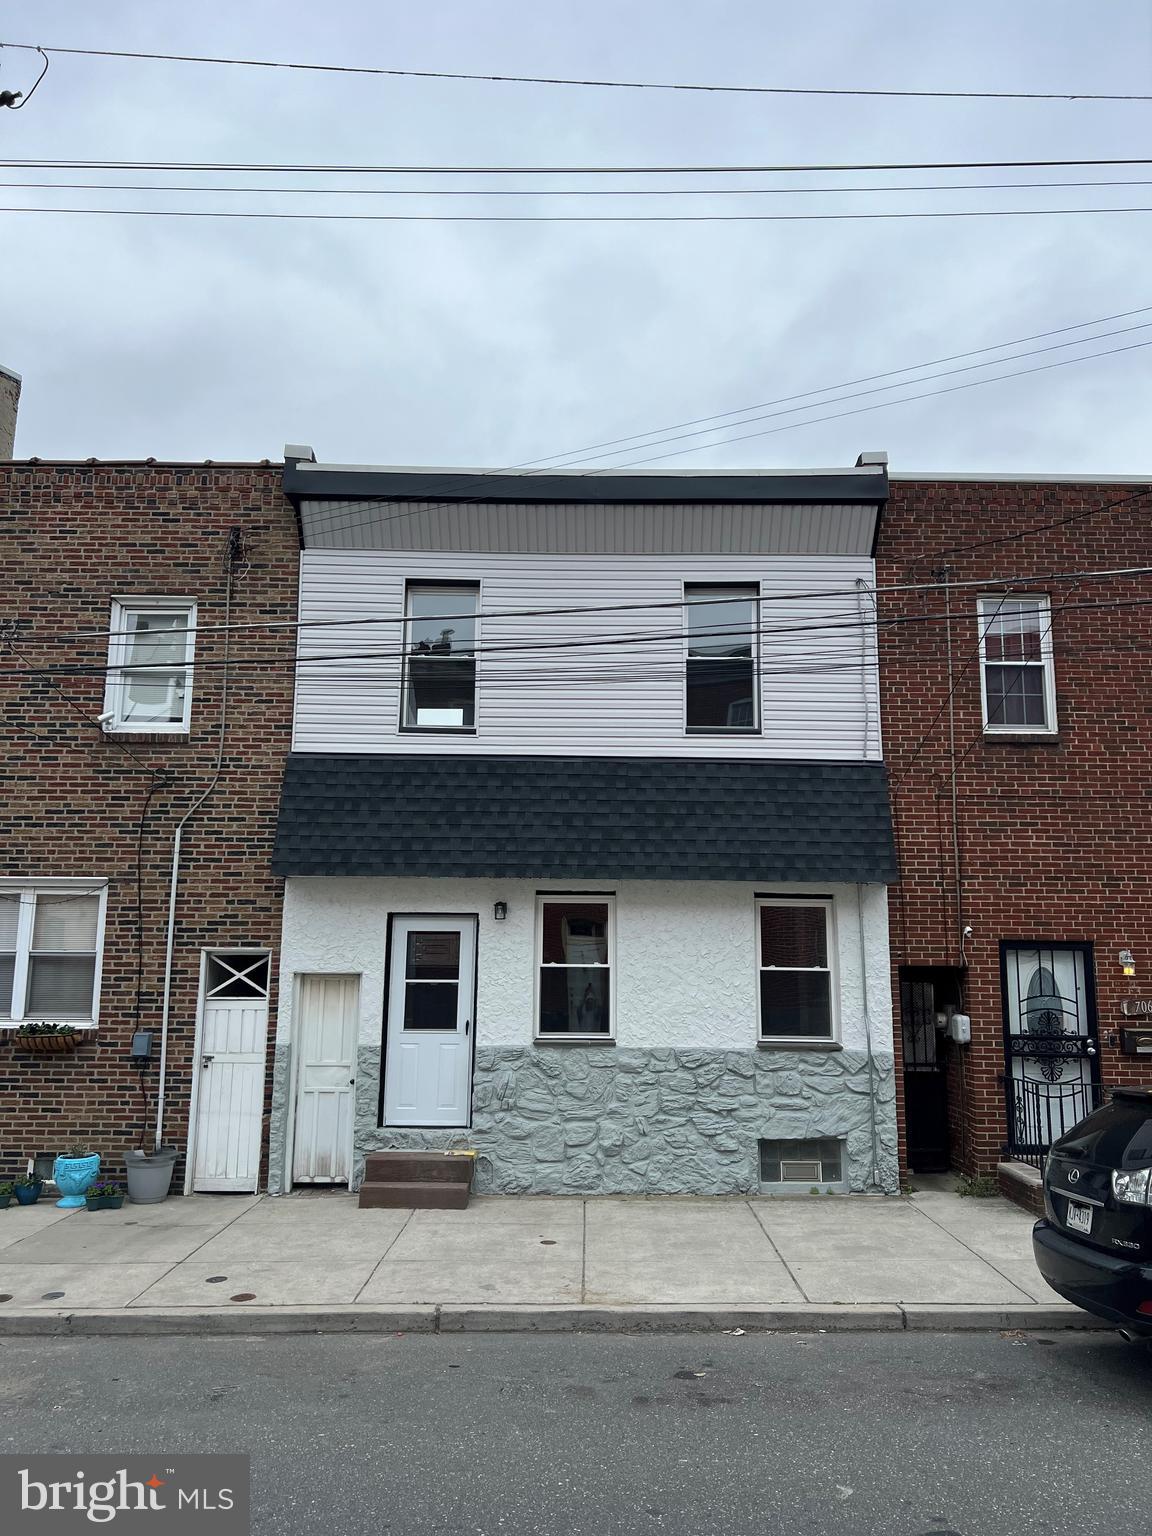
x=960 y=1029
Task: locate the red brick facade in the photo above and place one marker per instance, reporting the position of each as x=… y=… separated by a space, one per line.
x=80 y=802
x=1053 y=834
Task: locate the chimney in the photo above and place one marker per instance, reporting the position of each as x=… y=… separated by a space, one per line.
x=9 y=400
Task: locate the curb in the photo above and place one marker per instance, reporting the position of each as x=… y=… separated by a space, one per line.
x=845 y=1318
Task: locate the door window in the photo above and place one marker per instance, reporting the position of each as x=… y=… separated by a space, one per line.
x=431 y=980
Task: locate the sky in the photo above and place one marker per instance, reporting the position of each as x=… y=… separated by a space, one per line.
x=497 y=344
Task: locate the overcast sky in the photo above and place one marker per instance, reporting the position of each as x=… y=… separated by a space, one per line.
x=489 y=344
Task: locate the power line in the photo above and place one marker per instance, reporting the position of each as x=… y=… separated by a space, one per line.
x=879 y=405
x=660 y=604
x=778 y=168
x=576 y=218
x=567 y=80
x=954 y=186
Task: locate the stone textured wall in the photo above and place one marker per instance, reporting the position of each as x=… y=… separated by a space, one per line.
x=565 y=1120
x=9 y=404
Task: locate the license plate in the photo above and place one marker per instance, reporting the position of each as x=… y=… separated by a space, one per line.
x=1078 y=1218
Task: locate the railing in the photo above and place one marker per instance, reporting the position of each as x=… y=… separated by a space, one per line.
x=1039 y=1113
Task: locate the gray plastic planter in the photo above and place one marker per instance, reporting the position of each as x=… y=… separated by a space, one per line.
x=149 y=1175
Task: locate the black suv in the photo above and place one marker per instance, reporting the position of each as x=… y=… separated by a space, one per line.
x=1095 y=1245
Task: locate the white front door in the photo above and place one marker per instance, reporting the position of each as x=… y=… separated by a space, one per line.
x=329 y=1011
x=431 y=989
x=230 y=1072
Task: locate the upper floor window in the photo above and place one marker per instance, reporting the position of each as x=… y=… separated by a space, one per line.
x=50 y=942
x=150 y=650
x=721 y=684
x=1018 y=685
x=439 y=692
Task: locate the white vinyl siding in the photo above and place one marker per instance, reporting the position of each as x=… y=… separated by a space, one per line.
x=614 y=693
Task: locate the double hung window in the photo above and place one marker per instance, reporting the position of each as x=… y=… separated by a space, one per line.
x=575 y=943
x=150 y=665
x=440 y=657
x=1017 y=677
x=722 y=683
x=797 y=970
x=49 y=953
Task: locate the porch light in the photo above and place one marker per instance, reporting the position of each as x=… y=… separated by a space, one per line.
x=500 y=911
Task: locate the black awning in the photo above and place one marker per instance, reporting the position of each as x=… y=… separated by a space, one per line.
x=610 y=818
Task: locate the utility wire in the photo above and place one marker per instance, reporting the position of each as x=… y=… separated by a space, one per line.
x=576 y=218
x=775 y=169
x=568 y=80
x=578 y=611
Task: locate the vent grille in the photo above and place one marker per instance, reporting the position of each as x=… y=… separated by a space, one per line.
x=802 y=1162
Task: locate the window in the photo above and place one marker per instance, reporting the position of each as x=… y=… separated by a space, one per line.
x=440 y=657
x=1018 y=684
x=242 y=973
x=797 y=996
x=797 y=1165
x=721 y=683
x=50 y=940
x=150 y=664
x=575 y=966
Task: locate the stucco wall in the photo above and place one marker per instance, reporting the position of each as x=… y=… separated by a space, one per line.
x=686 y=1026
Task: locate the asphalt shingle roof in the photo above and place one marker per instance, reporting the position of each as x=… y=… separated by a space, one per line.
x=584 y=818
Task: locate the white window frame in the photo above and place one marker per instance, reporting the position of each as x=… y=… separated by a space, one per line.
x=754 y=595
x=118 y=643
x=27 y=892
x=578 y=898
x=443 y=584
x=987 y=610
x=827 y=905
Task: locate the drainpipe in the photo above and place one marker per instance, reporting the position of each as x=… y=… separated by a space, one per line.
x=230 y=559
x=868 y=1038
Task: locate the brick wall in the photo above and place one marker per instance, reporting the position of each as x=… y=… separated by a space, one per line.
x=79 y=802
x=1054 y=835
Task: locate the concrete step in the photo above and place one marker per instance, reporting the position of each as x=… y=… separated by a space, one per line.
x=421 y=1194
x=418 y=1166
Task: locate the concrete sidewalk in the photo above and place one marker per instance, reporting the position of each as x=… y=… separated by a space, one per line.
x=308 y=1261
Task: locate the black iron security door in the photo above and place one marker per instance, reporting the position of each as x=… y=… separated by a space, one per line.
x=1052 y=1062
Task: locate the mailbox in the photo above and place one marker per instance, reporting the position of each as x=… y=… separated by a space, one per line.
x=1136 y=1042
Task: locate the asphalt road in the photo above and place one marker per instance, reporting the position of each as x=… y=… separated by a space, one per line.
x=779 y=1435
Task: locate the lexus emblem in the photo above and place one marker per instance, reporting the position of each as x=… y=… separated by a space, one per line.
x=1074 y=1176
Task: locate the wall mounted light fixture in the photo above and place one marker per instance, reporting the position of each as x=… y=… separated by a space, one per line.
x=500 y=911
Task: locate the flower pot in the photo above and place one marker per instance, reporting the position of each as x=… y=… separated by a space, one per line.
x=149 y=1175
x=5 y=1202
x=73 y=1176
x=49 y=1045
x=104 y=1202
x=28 y=1194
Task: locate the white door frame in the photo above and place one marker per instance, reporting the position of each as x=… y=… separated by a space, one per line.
x=296 y=1042
x=469 y=974
x=198 y=1043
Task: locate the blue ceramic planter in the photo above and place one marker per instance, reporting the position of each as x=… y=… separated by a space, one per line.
x=73 y=1176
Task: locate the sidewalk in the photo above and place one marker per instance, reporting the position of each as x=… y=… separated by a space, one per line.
x=314 y=1261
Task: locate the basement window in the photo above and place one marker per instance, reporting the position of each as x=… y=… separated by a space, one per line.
x=797 y=1167
x=150 y=648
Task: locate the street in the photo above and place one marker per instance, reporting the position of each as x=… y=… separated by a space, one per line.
x=904 y=1434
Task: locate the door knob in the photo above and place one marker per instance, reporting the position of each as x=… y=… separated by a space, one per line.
x=204 y=1060
x=1090 y=1048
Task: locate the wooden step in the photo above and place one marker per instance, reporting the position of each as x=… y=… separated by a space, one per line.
x=418 y=1166
x=420 y=1194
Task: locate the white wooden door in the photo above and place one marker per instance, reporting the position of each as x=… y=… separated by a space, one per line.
x=431 y=988
x=230 y=1073
x=329 y=1011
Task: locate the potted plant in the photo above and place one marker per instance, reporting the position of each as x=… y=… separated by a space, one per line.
x=73 y=1171
x=149 y=1174
x=6 y=1192
x=27 y=1190
x=104 y=1196
x=48 y=1038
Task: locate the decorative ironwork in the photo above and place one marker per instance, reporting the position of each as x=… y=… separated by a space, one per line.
x=1040 y=1112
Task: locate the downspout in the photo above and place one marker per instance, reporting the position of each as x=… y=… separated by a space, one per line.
x=230 y=558
x=956 y=875
x=863 y=590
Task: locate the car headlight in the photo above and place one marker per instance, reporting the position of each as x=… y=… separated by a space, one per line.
x=1131 y=1188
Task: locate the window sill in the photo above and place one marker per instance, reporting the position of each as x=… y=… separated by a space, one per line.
x=437 y=730
x=573 y=1040
x=722 y=731
x=1022 y=739
x=799 y=1045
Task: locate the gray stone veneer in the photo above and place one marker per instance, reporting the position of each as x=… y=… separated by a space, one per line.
x=568 y=1120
